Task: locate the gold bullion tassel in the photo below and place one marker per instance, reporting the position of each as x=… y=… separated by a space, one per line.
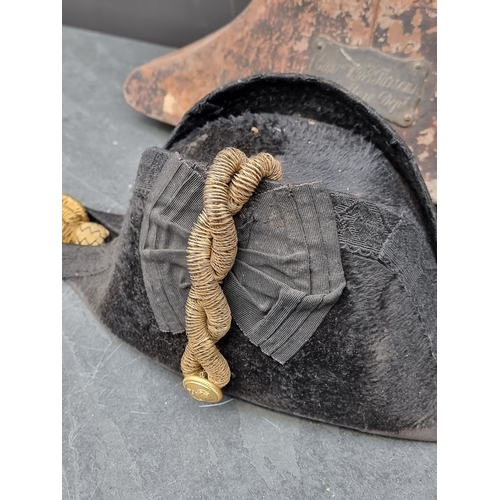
x=76 y=227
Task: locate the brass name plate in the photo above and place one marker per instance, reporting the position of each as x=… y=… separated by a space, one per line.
x=390 y=85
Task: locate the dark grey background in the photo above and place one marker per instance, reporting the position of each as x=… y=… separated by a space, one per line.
x=166 y=22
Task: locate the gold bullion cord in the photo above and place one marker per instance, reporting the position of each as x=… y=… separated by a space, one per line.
x=211 y=252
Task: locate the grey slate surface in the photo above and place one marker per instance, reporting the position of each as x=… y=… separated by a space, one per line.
x=129 y=429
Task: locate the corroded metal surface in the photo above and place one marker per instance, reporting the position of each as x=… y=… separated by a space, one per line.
x=390 y=85
x=282 y=36
x=408 y=28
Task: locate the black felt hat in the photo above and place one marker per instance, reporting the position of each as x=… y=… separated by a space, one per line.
x=333 y=291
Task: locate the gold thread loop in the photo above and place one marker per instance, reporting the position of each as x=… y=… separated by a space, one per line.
x=211 y=252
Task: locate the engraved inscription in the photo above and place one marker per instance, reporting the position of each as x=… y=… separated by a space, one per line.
x=390 y=85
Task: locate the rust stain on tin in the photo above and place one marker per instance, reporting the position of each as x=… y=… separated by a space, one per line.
x=277 y=36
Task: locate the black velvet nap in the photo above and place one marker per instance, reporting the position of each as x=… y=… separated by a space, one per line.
x=371 y=365
x=317 y=99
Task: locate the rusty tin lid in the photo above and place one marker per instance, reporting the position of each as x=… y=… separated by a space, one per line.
x=383 y=51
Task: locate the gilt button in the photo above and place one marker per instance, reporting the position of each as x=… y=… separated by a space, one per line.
x=202 y=389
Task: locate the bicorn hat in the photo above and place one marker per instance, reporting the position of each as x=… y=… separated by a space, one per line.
x=332 y=283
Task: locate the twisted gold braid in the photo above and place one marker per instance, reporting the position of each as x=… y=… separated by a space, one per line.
x=211 y=252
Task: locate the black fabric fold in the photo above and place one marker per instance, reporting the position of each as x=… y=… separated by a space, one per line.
x=287 y=274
